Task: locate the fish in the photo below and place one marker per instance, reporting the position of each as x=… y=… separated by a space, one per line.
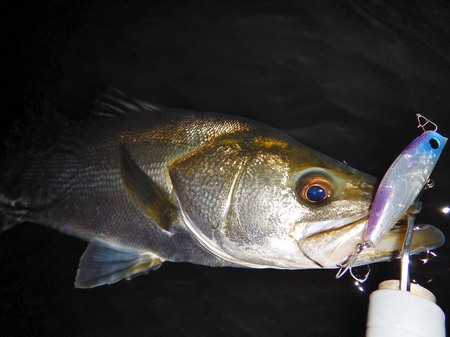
x=145 y=185
x=402 y=184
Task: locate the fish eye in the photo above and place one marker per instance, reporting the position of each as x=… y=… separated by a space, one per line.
x=434 y=143
x=315 y=190
x=316 y=193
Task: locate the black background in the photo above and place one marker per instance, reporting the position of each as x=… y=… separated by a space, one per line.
x=344 y=77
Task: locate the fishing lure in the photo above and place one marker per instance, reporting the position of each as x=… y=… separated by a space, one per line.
x=400 y=187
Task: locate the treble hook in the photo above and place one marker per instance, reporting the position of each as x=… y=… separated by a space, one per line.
x=347 y=265
x=422 y=119
x=348 y=262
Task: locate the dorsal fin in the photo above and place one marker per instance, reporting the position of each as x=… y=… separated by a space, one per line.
x=112 y=102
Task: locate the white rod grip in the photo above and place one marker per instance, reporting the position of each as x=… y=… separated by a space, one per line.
x=396 y=313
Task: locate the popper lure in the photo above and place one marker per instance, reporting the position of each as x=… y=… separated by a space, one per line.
x=400 y=187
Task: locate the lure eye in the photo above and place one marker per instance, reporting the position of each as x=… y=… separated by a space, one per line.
x=315 y=190
x=434 y=143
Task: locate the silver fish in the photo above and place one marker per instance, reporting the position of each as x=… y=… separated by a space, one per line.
x=145 y=184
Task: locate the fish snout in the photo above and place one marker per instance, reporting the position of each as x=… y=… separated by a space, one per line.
x=329 y=249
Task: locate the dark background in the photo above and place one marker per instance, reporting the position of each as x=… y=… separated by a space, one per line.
x=344 y=77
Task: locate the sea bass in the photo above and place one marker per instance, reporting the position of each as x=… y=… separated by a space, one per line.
x=145 y=184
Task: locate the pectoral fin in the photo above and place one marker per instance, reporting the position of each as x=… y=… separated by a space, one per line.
x=146 y=194
x=105 y=263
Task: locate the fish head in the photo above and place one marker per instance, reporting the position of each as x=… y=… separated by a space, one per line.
x=285 y=193
x=255 y=199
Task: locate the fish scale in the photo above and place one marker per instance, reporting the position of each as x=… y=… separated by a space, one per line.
x=145 y=184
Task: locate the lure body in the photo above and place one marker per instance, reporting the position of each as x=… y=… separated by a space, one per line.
x=402 y=184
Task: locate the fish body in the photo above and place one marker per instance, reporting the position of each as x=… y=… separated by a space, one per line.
x=402 y=184
x=145 y=184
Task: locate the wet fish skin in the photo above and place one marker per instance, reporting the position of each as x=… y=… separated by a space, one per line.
x=76 y=187
x=145 y=184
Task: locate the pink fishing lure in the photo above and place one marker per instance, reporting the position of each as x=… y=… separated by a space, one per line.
x=402 y=184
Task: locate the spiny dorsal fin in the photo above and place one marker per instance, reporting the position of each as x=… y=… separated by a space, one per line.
x=113 y=102
x=145 y=193
x=106 y=263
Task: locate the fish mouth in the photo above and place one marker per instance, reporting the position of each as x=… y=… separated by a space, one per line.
x=304 y=230
x=425 y=237
x=330 y=248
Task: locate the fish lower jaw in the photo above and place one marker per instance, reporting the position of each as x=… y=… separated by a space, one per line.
x=426 y=237
x=331 y=248
x=303 y=230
